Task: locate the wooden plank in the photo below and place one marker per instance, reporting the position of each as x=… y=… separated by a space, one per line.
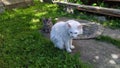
x=113 y=0
x=100 y=10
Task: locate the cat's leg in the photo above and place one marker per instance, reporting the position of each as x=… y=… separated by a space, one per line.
x=54 y=40
x=71 y=46
x=59 y=43
x=67 y=46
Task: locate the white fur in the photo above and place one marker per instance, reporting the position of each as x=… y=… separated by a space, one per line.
x=62 y=34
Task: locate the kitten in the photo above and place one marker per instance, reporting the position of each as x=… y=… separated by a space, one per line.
x=47 y=25
x=62 y=34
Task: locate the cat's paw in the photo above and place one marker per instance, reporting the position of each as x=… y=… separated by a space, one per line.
x=72 y=46
x=69 y=50
x=60 y=47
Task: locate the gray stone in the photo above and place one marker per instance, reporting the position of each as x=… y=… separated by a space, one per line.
x=9 y=4
x=113 y=33
x=90 y=30
x=101 y=18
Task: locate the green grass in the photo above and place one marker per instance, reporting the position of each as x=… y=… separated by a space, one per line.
x=23 y=46
x=109 y=40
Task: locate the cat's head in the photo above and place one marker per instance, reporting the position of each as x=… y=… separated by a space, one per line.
x=47 y=21
x=74 y=28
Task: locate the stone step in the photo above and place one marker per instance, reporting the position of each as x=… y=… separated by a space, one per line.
x=113 y=33
x=9 y=4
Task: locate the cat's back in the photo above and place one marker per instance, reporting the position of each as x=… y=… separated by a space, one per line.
x=58 y=29
x=59 y=26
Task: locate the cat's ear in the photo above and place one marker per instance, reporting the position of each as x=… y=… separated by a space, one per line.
x=49 y=20
x=68 y=25
x=44 y=20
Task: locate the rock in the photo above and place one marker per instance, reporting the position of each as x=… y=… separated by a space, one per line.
x=113 y=33
x=9 y=4
x=90 y=30
x=101 y=18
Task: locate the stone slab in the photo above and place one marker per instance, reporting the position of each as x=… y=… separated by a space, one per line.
x=113 y=33
x=9 y=4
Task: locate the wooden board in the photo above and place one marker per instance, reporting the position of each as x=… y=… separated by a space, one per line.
x=100 y=10
x=113 y=0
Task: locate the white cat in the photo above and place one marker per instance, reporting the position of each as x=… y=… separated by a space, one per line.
x=62 y=34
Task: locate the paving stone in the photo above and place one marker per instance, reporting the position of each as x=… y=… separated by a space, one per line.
x=113 y=33
x=9 y=4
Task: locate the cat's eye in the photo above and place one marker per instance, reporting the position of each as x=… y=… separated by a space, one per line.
x=70 y=32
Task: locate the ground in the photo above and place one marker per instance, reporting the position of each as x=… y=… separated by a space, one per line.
x=99 y=54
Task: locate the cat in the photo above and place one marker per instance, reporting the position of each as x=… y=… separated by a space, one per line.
x=47 y=25
x=62 y=34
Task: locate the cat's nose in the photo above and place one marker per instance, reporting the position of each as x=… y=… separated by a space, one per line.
x=72 y=36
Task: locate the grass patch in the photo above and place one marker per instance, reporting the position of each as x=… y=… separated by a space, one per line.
x=23 y=46
x=109 y=40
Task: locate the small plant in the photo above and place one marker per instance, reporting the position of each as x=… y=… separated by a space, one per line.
x=94 y=4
